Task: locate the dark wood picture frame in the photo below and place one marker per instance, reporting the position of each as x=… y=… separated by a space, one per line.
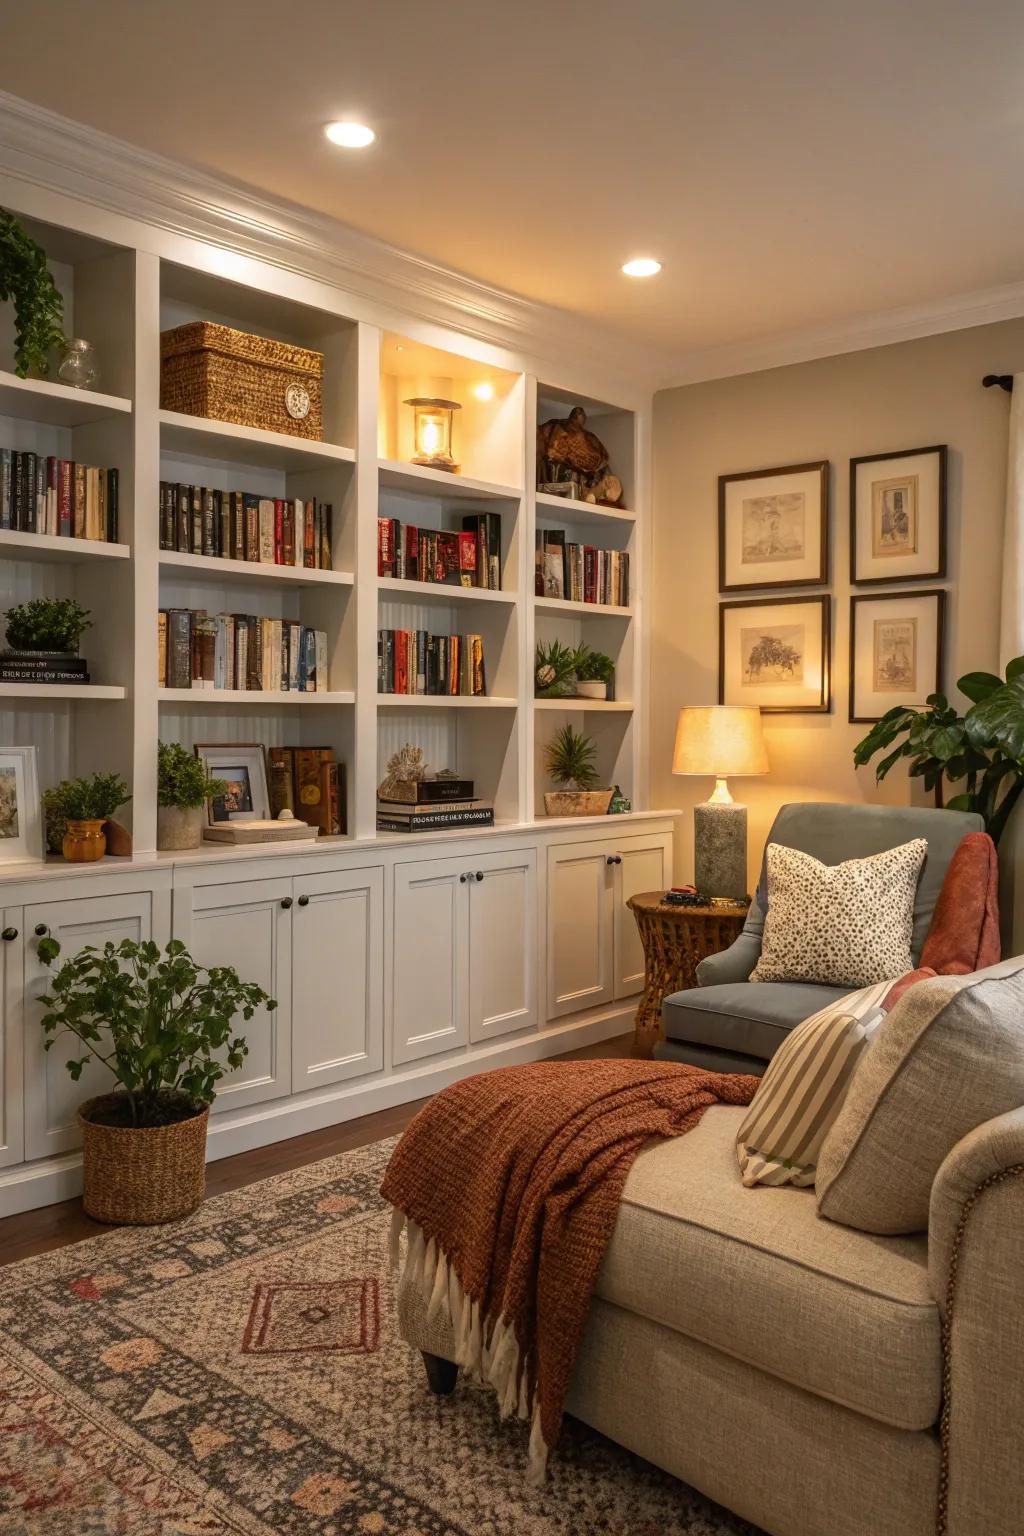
x=824 y=600
x=939 y=593
x=821 y=467
x=942 y=450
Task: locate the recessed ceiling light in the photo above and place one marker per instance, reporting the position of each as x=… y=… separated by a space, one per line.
x=484 y=391
x=350 y=135
x=642 y=266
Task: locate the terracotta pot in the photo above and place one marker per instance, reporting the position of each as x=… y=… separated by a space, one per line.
x=578 y=802
x=84 y=841
x=592 y=690
x=179 y=826
x=137 y=1176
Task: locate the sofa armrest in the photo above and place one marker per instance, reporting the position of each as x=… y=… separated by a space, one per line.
x=975 y=1261
x=732 y=964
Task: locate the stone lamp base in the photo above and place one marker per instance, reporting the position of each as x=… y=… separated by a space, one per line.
x=720 y=848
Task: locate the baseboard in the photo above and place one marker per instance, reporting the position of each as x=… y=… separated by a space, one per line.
x=32 y=1185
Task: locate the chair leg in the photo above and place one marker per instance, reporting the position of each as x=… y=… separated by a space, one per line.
x=441 y=1374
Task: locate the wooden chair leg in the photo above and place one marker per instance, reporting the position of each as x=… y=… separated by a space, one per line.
x=441 y=1374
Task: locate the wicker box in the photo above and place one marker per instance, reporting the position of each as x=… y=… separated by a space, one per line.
x=227 y=375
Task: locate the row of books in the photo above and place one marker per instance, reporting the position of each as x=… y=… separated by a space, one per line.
x=470 y=558
x=431 y=805
x=310 y=783
x=49 y=667
x=412 y=661
x=580 y=573
x=239 y=525
x=197 y=649
x=40 y=493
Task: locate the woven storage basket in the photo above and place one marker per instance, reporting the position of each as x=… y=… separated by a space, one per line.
x=226 y=375
x=137 y=1176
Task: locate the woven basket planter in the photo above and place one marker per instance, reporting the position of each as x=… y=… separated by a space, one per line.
x=226 y=375
x=577 y=802
x=137 y=1176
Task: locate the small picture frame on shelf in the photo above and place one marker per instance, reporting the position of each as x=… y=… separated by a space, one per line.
x=243 y=766
x=775 y=652
x=898 y=516
x=21 y=817
x=773 y=527
x=895 y=652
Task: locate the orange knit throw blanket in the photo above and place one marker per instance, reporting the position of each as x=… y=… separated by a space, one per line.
x=508 y=1186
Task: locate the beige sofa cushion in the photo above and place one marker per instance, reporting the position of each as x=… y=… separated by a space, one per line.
x=755 y=1273
x=949 y=1056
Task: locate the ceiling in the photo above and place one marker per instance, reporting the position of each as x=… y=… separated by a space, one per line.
x=793 y=163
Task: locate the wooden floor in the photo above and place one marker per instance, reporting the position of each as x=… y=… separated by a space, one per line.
x=56 y=1225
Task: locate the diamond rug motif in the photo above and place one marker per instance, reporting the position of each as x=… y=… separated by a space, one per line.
x=240 y=1373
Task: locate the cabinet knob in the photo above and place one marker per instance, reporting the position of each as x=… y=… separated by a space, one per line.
x=41 y=930
x=463 y=878
x=614 y=858
x=10 y=933
x=479 y=874
x=286 y=902
x=303 y=901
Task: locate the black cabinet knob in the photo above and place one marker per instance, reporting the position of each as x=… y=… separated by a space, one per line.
x=303 y=901
x=41 y=930
x=479 y=874
x=286 y=902
x=614 y=858
x=10 y=933
x=463 y=879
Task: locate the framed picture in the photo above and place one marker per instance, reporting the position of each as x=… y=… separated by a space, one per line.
x=773 y=527
x=775 y=652
x=21 y=816
x=898 y=516
x=243 y=765
x=895 y=651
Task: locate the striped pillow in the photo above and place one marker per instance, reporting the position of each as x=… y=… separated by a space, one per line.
x=803 y=1090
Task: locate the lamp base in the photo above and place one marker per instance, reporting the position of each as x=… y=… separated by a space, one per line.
x=720 y=849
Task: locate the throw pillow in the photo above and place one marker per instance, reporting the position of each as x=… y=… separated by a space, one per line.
x=844 y=925
x=964 y=932
x=803 y=1089
x=949 y=1056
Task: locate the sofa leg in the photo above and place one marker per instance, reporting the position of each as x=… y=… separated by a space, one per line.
x=441 y=1374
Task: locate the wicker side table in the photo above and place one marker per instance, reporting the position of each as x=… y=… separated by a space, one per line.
x=675 y=940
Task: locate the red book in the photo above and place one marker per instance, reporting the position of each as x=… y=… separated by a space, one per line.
x=287 y=532
x=412 y=552
x=385 y=549
x=589 y=574
x=279 y=532
x=401 y=661
x=308 y=541
x=65 y=497
x=467 y=559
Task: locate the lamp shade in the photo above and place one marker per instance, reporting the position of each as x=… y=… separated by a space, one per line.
x=719 y=741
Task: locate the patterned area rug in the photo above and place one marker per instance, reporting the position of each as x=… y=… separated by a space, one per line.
x=242 y=1372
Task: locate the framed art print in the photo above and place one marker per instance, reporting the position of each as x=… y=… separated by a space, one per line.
x=243 y=766
x=773 y=527
x=898 y=516
x=21 y=817
x=774 y=652
x=895 y=652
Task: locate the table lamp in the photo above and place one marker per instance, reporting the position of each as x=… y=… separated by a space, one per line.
x=718 y=741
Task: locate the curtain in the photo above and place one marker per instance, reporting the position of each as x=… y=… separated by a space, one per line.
x=1011 y=617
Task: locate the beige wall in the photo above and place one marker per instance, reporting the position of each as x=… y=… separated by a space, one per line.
x=905 y=396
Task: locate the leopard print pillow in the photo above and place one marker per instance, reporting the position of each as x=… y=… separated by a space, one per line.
x=844 y=925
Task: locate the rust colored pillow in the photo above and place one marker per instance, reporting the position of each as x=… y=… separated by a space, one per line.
x=964 y=933
x=904 y=984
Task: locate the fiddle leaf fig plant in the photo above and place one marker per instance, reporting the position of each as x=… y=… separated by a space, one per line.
x=38 y=305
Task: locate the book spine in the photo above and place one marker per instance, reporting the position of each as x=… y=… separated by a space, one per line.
x=6 y=489
x=251 y=506
x=207 y=546
x=307 y=547
x=279 y=534
x=385 y=551
x=113 y=504
x=417 y=823
x=266 y=531
x=65 y=498
x=78 y=523
x=224 y=530
x=468 y=560
x=326 y=537
x=281 y=785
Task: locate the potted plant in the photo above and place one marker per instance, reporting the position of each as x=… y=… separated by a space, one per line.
x=163 y=1026
x=48 y=625
x=554 y=670
x=594 y=671
x=26 y=280
x=85 y=805
x=183 y=788
x=569 y=757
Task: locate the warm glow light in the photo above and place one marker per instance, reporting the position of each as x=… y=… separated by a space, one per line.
x=642 y=266
x=484 y=391
x=350 y=135
x=430 y=437
x=432 y=432
x=719 y=740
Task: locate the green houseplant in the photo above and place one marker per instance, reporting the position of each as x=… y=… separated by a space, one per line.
x=85 y=804
x=594 y=672
x=164 y=1027
x=47 y=624
x=26 y=280
x=183 y=788
x=570 y=758
x=982 y=749
x=554 y=670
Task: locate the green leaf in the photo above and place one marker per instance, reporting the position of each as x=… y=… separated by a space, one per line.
x=977 y=686
x=998 y=721
x=961 y=803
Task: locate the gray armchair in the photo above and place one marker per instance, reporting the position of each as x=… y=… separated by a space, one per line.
x=731 y=1024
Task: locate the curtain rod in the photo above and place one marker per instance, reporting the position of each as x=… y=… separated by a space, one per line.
x=1004 y=380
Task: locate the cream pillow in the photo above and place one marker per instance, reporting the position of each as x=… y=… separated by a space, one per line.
x=843 y=925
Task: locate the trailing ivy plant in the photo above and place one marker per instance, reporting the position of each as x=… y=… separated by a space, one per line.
x=162 y=1024
x=38 y=305
x=983 y=749
x=570 y=759
x=47 y=624
x=182 y=779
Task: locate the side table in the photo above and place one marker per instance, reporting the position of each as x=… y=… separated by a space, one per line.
x=675 y=940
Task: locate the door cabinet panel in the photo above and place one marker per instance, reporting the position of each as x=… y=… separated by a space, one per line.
x=646 y=866
x=579 y=968
x=12 y=1034
x=337 y=977
x=430 y=964
x=502 y=945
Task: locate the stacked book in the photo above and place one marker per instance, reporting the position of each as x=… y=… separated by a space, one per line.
x=40 y=493
x=42 y=667
x=580 y=573
x=310 y=783
x=432 y=805
x=470 y=558
x=411 y=661
x=197 y=649
x=239 y=525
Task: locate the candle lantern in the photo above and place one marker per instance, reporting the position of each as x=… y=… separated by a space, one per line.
x=433 y=432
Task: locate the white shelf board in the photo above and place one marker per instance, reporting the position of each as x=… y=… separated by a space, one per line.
x=445 y=701
x=583 y=513
x=256 y=698
x=213 y=568
x=58 y=405
x=611 y=706
x=397 y=476
x=46 y=546
x=600 y=610
x=245 y=445
x=439 y=592
x=81 y=691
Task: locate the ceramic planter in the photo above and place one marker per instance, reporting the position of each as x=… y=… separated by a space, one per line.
x=139 y=1175
x=179 y=826
x=593 y=690
x=578 y=802
x=84 y=841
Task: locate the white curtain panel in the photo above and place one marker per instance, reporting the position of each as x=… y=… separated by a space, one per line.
x=1011 y=622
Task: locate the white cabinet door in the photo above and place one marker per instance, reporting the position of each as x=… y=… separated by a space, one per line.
x=502 y=944
x=579 y=927
x=337 y=977
x=646 y=866
x=51 y=1098
x=247 y=924
x=12 y=1033
x=430 y=963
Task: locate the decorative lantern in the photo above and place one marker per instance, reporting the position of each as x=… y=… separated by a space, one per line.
x=433 y=432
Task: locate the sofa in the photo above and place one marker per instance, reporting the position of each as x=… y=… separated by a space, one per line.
x=730 y=1024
